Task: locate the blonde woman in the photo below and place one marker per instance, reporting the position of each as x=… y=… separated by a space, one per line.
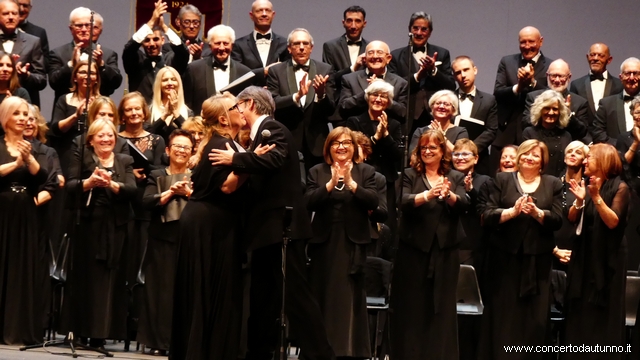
x=168 y=111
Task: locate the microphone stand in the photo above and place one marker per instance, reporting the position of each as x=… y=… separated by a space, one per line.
x=70 y=339
x=286 y=231
x=406 y=127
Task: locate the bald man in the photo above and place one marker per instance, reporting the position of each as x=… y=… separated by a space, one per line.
x=518 y=74
x=262 y=47
x=558 y=78
x=352 y=100
x=598 y=84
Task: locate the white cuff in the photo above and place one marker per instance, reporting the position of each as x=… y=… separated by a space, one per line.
x=174 y=39
x=142 y=33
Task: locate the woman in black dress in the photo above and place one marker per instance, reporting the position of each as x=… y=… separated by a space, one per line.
x=207 y=308
x=9 y=81
x=168 y=111
x=21 y=309
x=522 y=211
x=166 y=194
x=95 y=295
x=597 y=270
x=550 y=116
x=423 y=297
x=341 y=192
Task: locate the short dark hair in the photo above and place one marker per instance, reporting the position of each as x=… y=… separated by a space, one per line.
x=181 y=132
x=421 y=15
x=354 y=9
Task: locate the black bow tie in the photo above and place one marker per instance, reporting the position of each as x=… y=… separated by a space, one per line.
x=218 y=65
x=524 y=62
x=419 y=48
x=626 y=98
x=350 y=42
x=596 y=77
x=466 y=96
x=304 y=68
x=263 y=36
x=7 y=37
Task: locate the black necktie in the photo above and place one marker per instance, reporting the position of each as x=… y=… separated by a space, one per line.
x=359 y=42
x=263 y=36
x=7 y=37
x=466 y=96
x=596 y=77
x=626 y=98
x=419 y=48
x=218 y=65
x=304 y=68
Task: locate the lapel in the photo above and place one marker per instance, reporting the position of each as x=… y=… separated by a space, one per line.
x=362 y=80
x=622 y=121
x=273 y=47
x=258 y=138
x=587 y=86
x=232 y=71
x=312 y=92
x=19 y=44
x=291 y=78
x=607 y=87
x=344 y=51
x=414 y=64
x=210 y=82
x=251 y=43
x=476 y=104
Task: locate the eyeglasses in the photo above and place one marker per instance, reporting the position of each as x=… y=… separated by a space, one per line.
x=380 y=95
x=236 y=106
x=463 y=155
x=345 y=143
x=442 y=103
x=628 y=74
x=376 y=52
x=82 y=26
x=557 y=76
x=431 y=148
x=184 y=148
x=188 y=23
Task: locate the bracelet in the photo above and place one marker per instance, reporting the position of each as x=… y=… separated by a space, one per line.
x=575 y=204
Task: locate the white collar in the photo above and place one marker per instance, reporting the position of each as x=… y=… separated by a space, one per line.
x=256 y=126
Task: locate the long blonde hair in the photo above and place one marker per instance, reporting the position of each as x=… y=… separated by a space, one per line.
x=156 y=102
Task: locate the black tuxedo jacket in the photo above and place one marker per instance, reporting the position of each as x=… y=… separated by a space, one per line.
x=246 y=52
x=610 y=120
x=274 y=184
x=141 y=73
x=199 y=83
x=510 y=105
x=206 y=50
x=35 y=30
x=443 y=79
x=485 y=108
x=355 y=206
x=29 y=50
x=336 y=53
x=579 y=122
x=582 y=87
x=435 y=220
x=60 y=72
x=353 y=102
x=308 y=124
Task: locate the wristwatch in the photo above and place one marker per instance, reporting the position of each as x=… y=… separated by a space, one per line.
x=599 y=201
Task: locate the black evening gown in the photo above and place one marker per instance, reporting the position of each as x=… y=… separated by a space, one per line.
x=597 y=273
x=519 y=262
x=207 y=308
x=62 y=142
x=21 y=268
x=159 y=268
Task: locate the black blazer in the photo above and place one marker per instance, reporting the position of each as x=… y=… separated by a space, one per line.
x=307 y=124
x=246 y=52
x=510 y=105
x=582 y=87
x=386 y=154
x=485 y=108
x=353 y=102
x=274 y=183
x=421 y=226
x=29 y=50
x=523 y=233
x=39 y=32
x=123 y=173
x=199 y=83
x=610 y=120
x=60 y=71
x=581 y=117
x=355 y=206
x=335 y=52
x=140 y=70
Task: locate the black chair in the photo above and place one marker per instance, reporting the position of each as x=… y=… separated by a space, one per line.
x=468 y=298
x=377 y=282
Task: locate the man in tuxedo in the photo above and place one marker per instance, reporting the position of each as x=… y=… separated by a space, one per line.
x=425 y=66
x=558 y=77
x=63 y=58
x=352 y=98
x=189 y=22
x=274 y=184
x=598 y=84
x=33 y=29
x=518 y=74
x=262 y=48
x=142 y=67
x=613 y=116
x=209 y=75
x=303 y=90
x=30 y=62
x=476 y=104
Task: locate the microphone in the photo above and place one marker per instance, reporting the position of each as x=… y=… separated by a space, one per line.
x=410 y=35
x=266 y=134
